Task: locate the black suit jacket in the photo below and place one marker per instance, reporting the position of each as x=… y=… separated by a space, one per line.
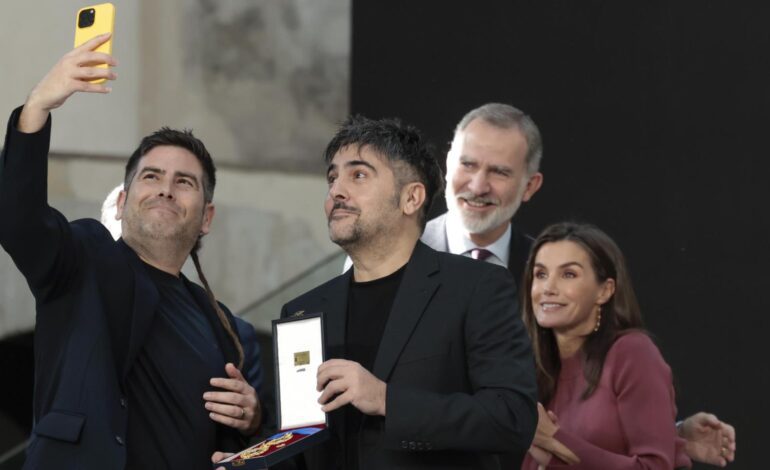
x=435 y=237
x=95 y=305
x=457 y=362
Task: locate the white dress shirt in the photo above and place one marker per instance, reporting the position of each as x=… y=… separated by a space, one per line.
x=460 y=243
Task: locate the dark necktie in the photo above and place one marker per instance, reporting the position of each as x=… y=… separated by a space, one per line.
x=480 y=254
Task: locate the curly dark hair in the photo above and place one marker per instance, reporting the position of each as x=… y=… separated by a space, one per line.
x=399 y=143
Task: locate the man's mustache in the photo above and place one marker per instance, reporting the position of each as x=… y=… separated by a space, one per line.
x=343 y=206
x=161 y=202
x=470 y=197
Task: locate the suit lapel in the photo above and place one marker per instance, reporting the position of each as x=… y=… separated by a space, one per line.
x=145 y=302
x=416 y=289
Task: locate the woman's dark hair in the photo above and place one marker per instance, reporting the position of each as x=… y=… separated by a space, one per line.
x=618 y=316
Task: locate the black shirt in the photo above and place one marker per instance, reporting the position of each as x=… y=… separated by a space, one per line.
x=168 y=425
x=369 y=306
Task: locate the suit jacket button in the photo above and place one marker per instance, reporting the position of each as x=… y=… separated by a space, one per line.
x=404 y=444
x=123 y=402
x=119 y=440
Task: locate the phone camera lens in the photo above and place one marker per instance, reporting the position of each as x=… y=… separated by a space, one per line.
x=86 y=18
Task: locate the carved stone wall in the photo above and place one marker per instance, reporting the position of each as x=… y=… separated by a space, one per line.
x=262 y=82
x=266 y=81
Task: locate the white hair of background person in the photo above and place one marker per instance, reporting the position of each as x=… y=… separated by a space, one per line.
x=110 y=210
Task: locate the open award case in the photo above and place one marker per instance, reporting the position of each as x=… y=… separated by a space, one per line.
x=298 y=345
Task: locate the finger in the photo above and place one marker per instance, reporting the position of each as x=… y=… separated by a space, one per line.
x=331 y=363
x=708 y=419
x=728 y=444
x=227 y=398
x=336 y=368
x=87 y=87
x=93 y=43
x=338 y=402
x=219 y=456
x=322 y=380
x=233 y=372
x=729 y=432
x=94 y=57
x=229 y=421
x=729 y=452
x=335 y=362
x=553 y=416
x=93 y=73
x=232 y=411
x=333 y=388
x=333 y=372
x=234 y=385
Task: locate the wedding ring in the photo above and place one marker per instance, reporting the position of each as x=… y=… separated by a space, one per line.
x=243 y=413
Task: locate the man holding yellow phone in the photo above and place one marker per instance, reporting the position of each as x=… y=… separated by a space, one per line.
x=136 y=366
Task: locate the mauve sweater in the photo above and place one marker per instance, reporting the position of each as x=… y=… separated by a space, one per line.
x=629 y=420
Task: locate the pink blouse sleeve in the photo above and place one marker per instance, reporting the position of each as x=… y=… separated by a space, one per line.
x=642 y=382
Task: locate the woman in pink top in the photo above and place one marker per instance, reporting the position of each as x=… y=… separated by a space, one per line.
x=606 y=388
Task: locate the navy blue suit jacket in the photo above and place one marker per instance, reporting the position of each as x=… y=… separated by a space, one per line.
x=95 y=305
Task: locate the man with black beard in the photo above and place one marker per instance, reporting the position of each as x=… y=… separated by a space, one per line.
x=136 y=367
x=429 y=365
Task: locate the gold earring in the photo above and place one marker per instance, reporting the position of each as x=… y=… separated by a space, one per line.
x=598 y=320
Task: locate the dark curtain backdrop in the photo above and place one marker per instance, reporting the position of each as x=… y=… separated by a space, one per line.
x=654 y=119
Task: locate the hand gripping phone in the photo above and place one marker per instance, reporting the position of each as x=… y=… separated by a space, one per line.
x=91 y=22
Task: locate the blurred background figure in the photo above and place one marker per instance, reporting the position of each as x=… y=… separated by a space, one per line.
x=110 y=210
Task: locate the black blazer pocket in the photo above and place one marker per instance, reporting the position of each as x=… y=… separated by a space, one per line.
x=420 y=355
x=62 y=425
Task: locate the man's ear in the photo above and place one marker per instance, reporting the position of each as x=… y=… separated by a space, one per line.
x=208 y=217
x=533 y=184
x=412 y=198
x=120 y=204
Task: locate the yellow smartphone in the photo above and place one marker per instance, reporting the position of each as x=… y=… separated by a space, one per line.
x=93 y=21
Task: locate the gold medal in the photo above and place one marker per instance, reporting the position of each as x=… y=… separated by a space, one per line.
x=264 y=447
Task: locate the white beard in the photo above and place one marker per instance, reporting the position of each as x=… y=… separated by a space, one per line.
x=475 y=223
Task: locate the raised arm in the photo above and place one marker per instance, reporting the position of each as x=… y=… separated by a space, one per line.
x=37 y=237
x=71 y=74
